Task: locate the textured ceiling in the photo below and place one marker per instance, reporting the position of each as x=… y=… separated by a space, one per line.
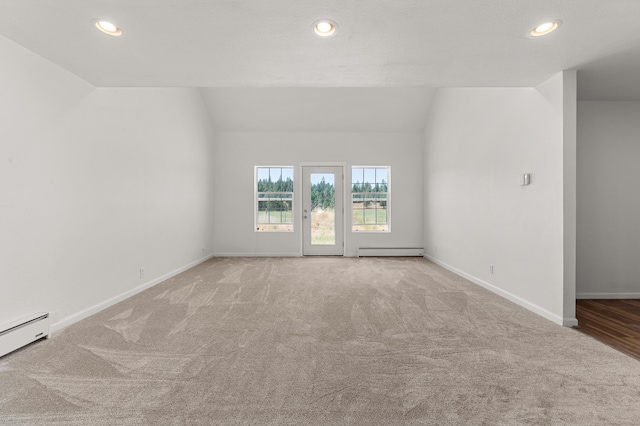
x=390 y=43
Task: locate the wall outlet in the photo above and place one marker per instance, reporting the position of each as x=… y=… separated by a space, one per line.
x=141 y=272
x=203 y=250
x=491 y=269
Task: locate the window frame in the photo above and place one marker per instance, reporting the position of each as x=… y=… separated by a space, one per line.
x=256 y=200
x=388 y=199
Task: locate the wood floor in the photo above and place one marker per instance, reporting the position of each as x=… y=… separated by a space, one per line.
x=614 y=322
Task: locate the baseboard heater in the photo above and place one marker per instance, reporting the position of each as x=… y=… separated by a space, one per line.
x=390 y=251
x=22 y=332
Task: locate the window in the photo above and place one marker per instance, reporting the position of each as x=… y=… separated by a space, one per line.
x=274 y=198
x=369 y=198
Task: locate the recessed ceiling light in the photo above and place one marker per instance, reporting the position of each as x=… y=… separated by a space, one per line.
x=108 y=28
x=325 y=28
x=546 y=28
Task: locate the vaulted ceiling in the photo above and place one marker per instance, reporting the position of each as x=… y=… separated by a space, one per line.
x=379 y=44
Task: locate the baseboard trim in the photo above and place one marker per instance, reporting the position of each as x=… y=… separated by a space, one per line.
x=390 y=251
x=253 y=254
x=607 y=295
x=509 y=296
x=85 y=313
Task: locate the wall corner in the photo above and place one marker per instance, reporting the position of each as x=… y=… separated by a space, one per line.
x=569 y=166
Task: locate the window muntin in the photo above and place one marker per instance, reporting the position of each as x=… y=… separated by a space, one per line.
x=370 y=198
x=274 y=198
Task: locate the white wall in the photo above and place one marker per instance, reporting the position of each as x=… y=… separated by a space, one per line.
x=319 y=109
x=478 y=142
x=95 y=184
x=608 y=200
x=238 y=152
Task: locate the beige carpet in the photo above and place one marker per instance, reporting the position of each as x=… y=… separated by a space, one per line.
x=318 y=341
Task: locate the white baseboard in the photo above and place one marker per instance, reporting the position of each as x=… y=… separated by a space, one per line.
x=85 y=313
x=607 y=295
x=254 y=254
x=567 y=322
x=390 y=251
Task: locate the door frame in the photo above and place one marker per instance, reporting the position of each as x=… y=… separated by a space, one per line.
x=299 y=176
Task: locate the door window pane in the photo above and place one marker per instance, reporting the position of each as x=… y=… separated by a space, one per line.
x=323 y=201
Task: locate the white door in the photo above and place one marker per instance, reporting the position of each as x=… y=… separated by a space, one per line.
x=322 y=211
